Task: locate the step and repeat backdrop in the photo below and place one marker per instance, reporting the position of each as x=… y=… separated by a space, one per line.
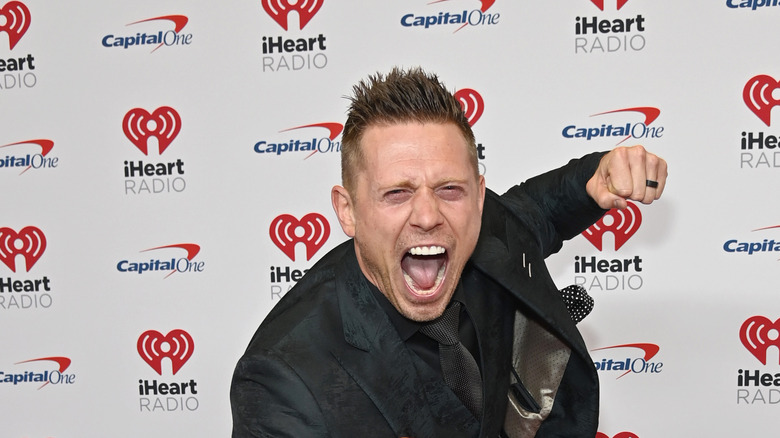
x=165 y=169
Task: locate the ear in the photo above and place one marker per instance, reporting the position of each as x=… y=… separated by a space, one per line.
x=481 y=193
x=344 y=208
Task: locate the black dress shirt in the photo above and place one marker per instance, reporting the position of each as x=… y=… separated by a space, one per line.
x=423 y=346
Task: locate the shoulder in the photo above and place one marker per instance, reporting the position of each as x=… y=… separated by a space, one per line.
x=308 y=310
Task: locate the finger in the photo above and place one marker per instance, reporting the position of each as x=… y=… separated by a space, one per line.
x=619 y=180
x=637 y=159
x=609 y=199
x=663 y=174
x=655 y=171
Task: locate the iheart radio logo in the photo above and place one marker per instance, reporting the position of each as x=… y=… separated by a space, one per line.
x=621 y=223
x=758 y=333
x=312 y=230
x=29 y=242
x=600 y=5
x=759 y=96
x=177 y=346
x=279 y=10
x=472 y=103
x=17 y=21
x=164 y=124
x=618 y=435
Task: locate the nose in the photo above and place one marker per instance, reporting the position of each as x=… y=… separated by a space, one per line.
x=426 y=211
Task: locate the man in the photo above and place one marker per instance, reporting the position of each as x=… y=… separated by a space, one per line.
x=349 y=351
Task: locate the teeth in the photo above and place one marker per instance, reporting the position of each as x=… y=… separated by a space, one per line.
x=426 y=250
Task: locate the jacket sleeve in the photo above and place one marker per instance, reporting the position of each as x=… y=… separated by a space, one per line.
x=269 y=399
x=555 y=204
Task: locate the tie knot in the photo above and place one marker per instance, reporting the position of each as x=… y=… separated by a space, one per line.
x=444 y=329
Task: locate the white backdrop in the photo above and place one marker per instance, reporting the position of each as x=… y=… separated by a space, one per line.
x=120 y=279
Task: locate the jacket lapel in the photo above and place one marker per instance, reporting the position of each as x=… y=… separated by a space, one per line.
x=492 y=315
x=524 y=274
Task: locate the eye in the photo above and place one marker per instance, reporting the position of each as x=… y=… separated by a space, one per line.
x=451 y=192
x=397 y=196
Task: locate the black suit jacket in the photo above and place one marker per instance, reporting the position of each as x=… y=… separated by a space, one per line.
x=327 y=361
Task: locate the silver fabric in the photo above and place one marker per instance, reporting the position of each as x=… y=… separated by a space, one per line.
x=539 y=359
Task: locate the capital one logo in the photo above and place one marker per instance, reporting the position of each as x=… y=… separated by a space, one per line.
x=631 y=365
x=14 y=21
x=486 y=4
x=177 y=346
x=56 y=376
x=163 y=123
x=600 y=4
x=758 y=333
x=29 y=242
x=621 y=223
x=312 y=230
x=38 y=160
x=279 y=10
x=472 y=103
x=759 y=96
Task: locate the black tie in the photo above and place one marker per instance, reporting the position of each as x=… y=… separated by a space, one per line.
x=457 y=365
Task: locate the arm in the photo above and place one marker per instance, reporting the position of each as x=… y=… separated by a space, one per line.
x=563 y=202
x=268 y=399
x=555 y=205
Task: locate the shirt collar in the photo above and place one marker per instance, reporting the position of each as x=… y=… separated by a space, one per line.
x=405 y=326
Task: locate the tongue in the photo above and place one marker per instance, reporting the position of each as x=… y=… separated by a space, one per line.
x=422 y=269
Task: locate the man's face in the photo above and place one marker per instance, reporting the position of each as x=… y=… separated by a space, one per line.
x=415 y=214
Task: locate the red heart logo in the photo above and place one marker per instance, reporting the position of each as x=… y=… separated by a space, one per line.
x=17 y=21
x=621 y=223
x=619 y=435
x=164 y=124
x=758 y=96
x=600 y=3
x=315 y=231
x=755 y=336
x=472 y=104
x=280 y=9
x=29 y=242
x=177 y=346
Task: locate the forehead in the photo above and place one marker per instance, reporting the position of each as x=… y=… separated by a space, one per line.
x=414 y=143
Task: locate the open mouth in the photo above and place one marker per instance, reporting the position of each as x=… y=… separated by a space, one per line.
x=423 y=268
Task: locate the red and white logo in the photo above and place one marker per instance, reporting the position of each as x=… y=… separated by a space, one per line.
x=179 y=21
x=758 y=333
x=759 y=95
x=62 y=364
x=16 y=21
x=472 y=103
x=618 y=435
x=632 y=363
x=177 y=346
x=621 y=223
x=600 y=4
x=312 y=230
x=29 y=242
x=45 y=145
x=164 y=124
x=280 y=10
x=191 y=248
